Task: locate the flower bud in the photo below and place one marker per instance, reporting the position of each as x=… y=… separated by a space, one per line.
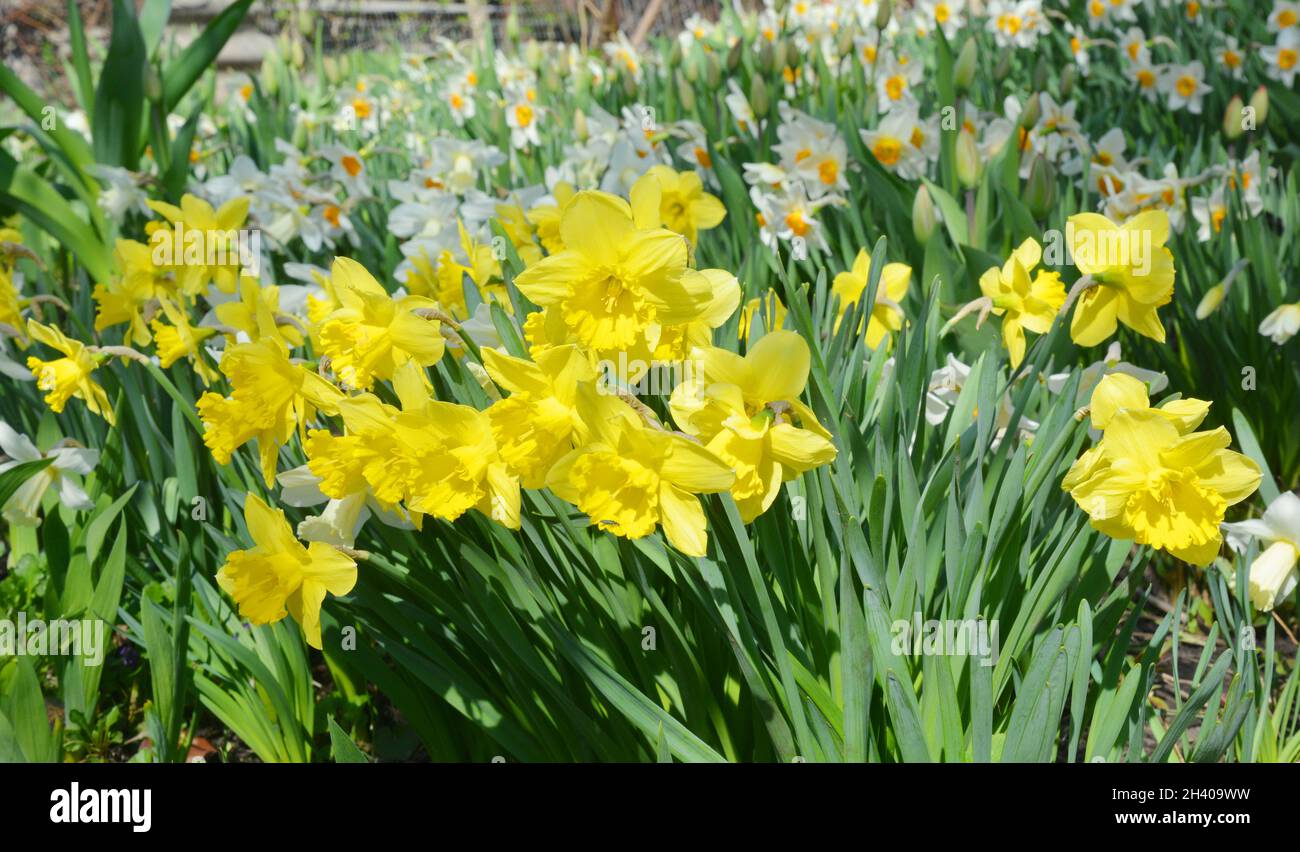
x=844 y=42
x=1040 y=73
x=1003 y=68
x=883 y=11
x=779 y=52
x=1068 y=75
x=963 y=70
x=712 y=72
x=297 y=55
x=1259 y=103
x=270 y=76
x=765 y=55
x=733 y=55
x=1211 y=300
x=1233 y=125
x=968 y=159
x=685 y=93
x=533 y=53
x=1031 y=113
x=1040 y=187
x=512 y=25
x=758 y=100
x=924 y=216
x=152 y=84
x=580 y=125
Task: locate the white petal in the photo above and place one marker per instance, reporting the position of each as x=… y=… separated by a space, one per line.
x=75 y=460
x=300 y=487
x=1283 y=518
x=72 y=495
x=17 y=446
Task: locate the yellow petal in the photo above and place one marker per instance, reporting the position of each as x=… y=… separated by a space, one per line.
x=778 y=367
x=645 y=196
x=268 y=527
x=682 y=518
x=799 y=449
x=694 y=468
x=1115 y=392
x=1094 y=316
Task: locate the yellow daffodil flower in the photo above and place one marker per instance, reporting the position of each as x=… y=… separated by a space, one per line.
x=886 y=314
x=677 y=201
x=1022 y=299
x=768 y=308
x=545 y=218
x=257 y=314
x=373 y=334
x=204 y=234
x=70 y=376
x=677 y=341
x=272 y=397
x=278 y=576
x=440 y=458
x=615 y=279
x=10 y=305
x=634 y=477
x=1151 y=481
x=181 y=340
x=745 y=410
x=126 y=297
x=550 y=404
x=1132 y=270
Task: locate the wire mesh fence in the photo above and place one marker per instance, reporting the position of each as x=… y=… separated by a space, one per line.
x=35 y=34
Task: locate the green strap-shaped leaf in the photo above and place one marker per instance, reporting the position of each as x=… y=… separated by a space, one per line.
x=200 y=54
x=342 y=747
x=38 y=201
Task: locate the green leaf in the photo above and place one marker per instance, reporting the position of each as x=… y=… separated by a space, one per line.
x=37 y=200
x=119 y=100
x=200 y=54
x=13 y=478
x=342 y=746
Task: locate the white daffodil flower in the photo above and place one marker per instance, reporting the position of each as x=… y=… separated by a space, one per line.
x=69 y=463
x=1273 y=573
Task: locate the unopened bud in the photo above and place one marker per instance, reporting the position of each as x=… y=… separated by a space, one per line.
x=1040 y=187
x=1031 y=113
x=1233 y=126
x=1211 y=300
x=1040 y=73
x=1259 y=103
x=963 y=70
x=685 y=93
x=152 y=84
x=712 y=72
x=580 y=125
x=1068 y=75
x=1003 y=68
x=968 y=159
x=779 y=53
x=733 y=55
x=758 y=100
x=883 y=11
x=924 y=216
